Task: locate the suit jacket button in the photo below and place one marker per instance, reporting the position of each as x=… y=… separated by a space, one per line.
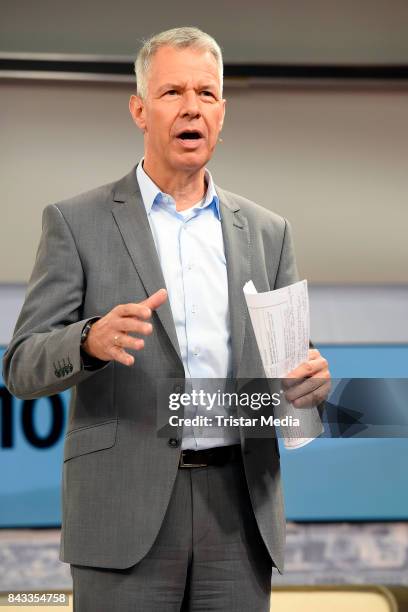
x=177 y=388
x=173 y=442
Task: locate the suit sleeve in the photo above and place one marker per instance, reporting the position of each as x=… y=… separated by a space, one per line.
x=44 y=355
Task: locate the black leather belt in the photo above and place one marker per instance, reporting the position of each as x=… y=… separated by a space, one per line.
x=218 y=455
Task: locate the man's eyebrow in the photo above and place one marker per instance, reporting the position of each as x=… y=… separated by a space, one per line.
x=209 y=86
x=170 y=86
x=167 y=86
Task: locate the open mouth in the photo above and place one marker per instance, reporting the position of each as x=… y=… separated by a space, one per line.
x=190 y=135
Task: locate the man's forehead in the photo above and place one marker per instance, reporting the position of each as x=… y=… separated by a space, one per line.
x=169 y=63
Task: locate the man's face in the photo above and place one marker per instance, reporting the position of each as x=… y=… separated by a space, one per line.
x=183 y=112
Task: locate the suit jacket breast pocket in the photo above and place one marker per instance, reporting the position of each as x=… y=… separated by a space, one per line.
x=90 y=439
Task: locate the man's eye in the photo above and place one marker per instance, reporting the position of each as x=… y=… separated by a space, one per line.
x=171 y=92
x=207 y=93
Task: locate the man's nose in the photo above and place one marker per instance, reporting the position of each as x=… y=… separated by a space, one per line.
x=190 y=106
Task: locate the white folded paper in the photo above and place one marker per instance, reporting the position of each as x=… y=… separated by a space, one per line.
x=281 y=324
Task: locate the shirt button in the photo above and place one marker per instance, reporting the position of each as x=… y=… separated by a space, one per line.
x=196 y=352
x=194 y=309
x=173 y=442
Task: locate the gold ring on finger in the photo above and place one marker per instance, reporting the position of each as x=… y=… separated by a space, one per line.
x=116 y=341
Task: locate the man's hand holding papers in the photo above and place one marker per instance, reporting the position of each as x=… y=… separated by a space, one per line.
x=280 y=320
x=308 y=384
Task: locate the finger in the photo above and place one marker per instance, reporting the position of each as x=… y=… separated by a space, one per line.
x=308 y=368
x=305 y=387
x=140 y=310
x=298 y=372
x=155 y=300
x=287 y=383
x=118 y=354
x=129 y=324
x=124 y=341
x=314 y=398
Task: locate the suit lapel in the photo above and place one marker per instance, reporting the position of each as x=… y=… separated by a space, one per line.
x=131 y=218
x=237 y=245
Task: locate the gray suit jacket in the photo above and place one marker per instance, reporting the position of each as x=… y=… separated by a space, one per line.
x=97 y=251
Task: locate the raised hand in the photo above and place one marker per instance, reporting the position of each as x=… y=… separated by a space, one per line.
x=110 y=335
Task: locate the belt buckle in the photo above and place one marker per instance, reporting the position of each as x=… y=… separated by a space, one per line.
x=182 y=463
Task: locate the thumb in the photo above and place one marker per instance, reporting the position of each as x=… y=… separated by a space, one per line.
x=156 y=299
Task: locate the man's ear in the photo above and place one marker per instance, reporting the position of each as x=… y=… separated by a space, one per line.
x=223 y=114
x=137 y=110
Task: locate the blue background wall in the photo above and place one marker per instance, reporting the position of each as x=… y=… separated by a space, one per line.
x=330 y=479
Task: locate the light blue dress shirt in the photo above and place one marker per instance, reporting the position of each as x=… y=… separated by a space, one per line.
x=190 y=247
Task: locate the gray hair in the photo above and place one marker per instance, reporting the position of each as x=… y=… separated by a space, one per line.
x=178 y=38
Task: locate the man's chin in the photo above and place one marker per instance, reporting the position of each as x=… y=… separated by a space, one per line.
x=190 y=161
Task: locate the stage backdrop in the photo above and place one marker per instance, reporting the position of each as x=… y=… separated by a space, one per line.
x=330 y=479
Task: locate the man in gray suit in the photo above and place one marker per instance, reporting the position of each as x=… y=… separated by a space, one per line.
x=189 y=520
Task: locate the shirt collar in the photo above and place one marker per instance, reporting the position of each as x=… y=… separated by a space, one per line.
x=150 y=190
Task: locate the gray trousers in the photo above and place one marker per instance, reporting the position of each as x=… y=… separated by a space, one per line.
x=208 y=555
